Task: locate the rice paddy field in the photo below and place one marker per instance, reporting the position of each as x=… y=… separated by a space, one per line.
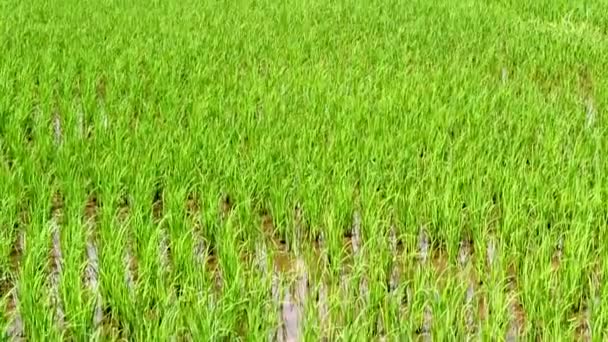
x=303 y=170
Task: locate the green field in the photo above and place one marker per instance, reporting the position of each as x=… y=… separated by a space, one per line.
x=303 y=170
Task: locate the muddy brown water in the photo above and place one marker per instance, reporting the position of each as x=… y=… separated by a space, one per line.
x=92 y=269
x=129 y=259
x=292 y=306
x=516 y=310
x=468 y=276
x=15 y=329
x=56 y=259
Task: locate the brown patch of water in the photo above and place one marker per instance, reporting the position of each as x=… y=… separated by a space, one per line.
x=56 y=259
x=193 y=215
x=283 y=256
x=323 y=309
x=319 y=267
x=164 y=246
x=15 y=329
x=276 y=299
x=292 y=306
x=441 y=264
x=129 y=258
x=358 y=253
x=516 y=309
x=289 y=264
x=468 y=276
x=392 y=284
x=436 y=260
x=91 y=278
x=491 y=259
x=283 y=260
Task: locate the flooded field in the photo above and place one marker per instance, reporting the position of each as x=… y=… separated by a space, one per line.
x=303 y=171
x=394 y=283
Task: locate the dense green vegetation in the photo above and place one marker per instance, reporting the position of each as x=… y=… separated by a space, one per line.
x=386 y=169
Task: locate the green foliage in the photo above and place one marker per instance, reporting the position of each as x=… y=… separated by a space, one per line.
x=206 y=123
